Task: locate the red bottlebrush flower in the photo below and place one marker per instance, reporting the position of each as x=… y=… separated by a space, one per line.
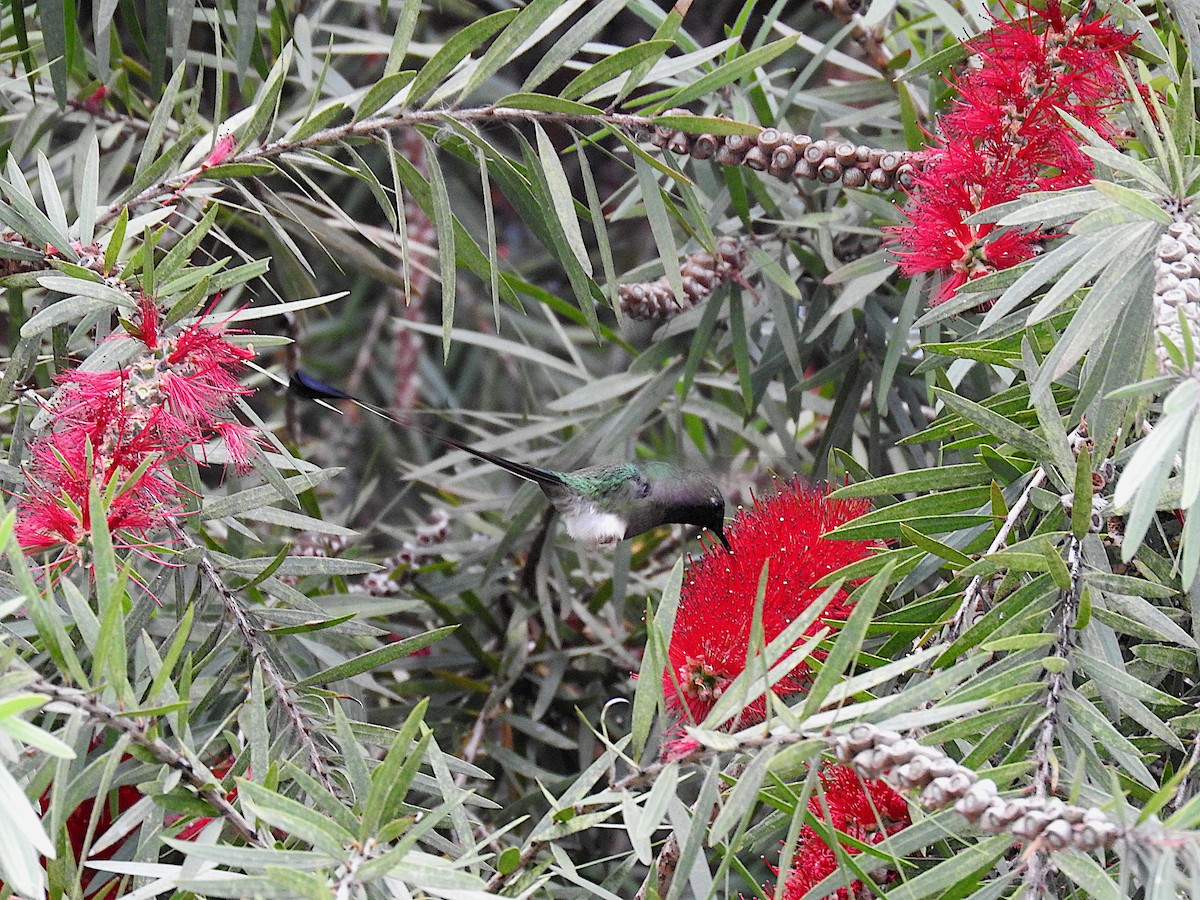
x=716 y=608
x=221 y=151
x=867 y=811
x=119 y=430
x=95 y=101
x=1005 y=135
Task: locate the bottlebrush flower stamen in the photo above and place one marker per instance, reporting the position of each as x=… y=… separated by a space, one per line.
x=713 y=625
x=1006 y=135
x=120 y=430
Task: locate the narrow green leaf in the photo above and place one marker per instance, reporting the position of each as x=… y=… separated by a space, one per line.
x=296 y=819
x=734 y=70
x=919 y=480
x=381 y=92
x=454 y=50
x=373 y=659
x=52 y=20
x=443 y=222
x=937 y=548
x=406 y=24
x=740 y=340
x=846 y=647
x=569 y=44
x=612 y=66
x=391 y=778
x=534 y=22
x=563 y=201
x=994 y=423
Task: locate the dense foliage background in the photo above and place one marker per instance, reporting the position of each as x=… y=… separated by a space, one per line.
x=250 y=646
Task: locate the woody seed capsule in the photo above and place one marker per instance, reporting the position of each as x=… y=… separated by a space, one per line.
x=854 y=178
x=846 y=154
x=769 y=139
x=704 y=146
x=680 y=143
x=880 y=180
x=783 y=160
x=756 y=158
x=804 y=169
x=890 y=162
x=829 y=171
x=815 y=152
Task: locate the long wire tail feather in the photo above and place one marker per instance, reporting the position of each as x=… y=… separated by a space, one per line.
x=309 y=388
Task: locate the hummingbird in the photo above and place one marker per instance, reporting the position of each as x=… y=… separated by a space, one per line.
x=599 y=505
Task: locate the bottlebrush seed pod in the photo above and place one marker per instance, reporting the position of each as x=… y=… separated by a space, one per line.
x=800 y=141
x=880 y=180
x=846 y=154
x=783 y=160
x=738 y=143
x=815 y=152
x=662 y=134
x=862 y=153
x=854 y=178
x=732 y=252
x=704 y=146
x=829 y=171
x=680 y=143
x=727 y=157
x=890 y=162
x=769 y=139
x=906 y=175
x=804 y=169
x=756 y=158
x=733 y=149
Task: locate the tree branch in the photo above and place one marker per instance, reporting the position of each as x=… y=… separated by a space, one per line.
x=159 y=749
x=258 y=650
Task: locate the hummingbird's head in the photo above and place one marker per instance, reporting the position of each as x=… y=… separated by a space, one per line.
x=709 y=513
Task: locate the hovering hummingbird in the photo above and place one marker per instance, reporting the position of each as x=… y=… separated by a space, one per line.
x=600 y=505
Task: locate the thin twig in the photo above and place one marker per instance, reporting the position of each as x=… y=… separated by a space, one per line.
x=1038 y=864
x=346 y=875
x=165 y=190
x=970 y=601
x=157 y=747
x=258 y=650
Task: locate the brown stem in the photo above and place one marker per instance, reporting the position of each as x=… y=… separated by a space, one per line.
x=258 y=650
x=165 y=190
x=198 y=778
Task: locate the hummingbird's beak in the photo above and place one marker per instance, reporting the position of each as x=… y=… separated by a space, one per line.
x=720 y=533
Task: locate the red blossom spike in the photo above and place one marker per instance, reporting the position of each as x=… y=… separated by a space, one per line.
x=122 y=429
x=867 y=811
x=716 y=607
x=1006 y=135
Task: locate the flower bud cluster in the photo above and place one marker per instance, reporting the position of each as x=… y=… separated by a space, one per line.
x=702 y=273
x=795 y=156
x=385 y=583
x=907 y=765
x=1176 y=288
